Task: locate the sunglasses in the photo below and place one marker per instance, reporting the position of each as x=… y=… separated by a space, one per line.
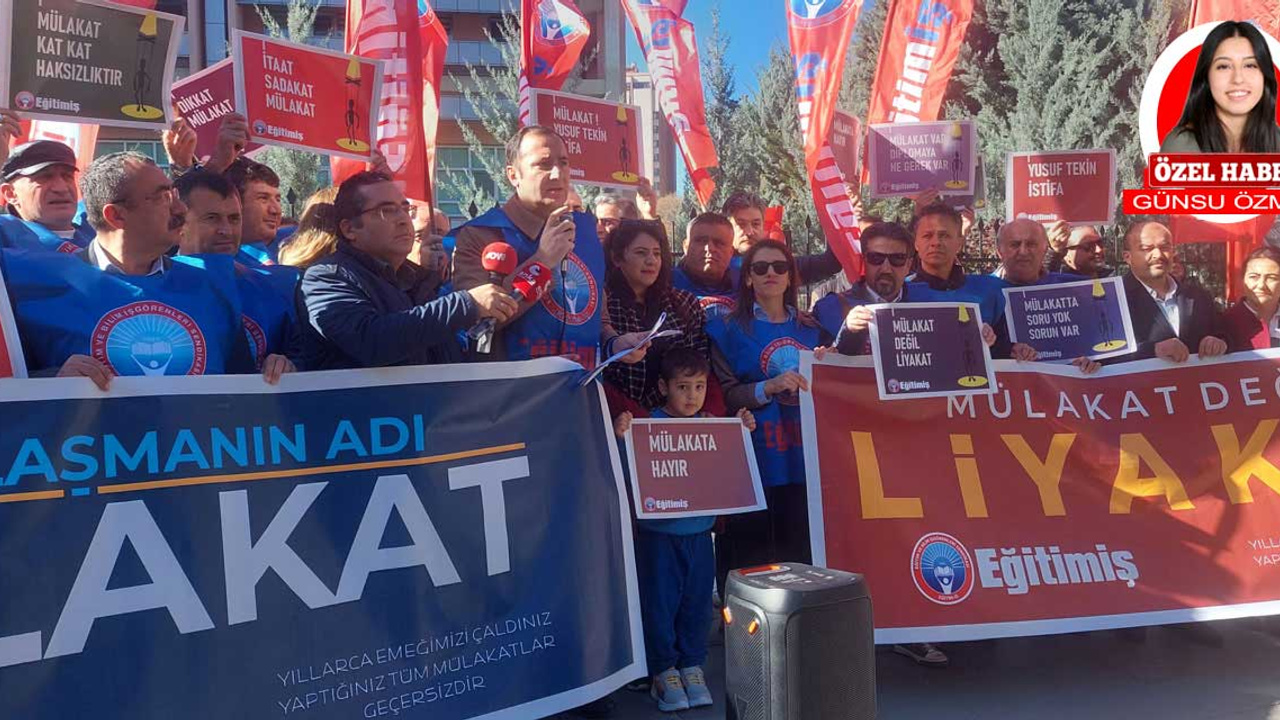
x=780 y=267
x=1085 y=247
x=895 y=259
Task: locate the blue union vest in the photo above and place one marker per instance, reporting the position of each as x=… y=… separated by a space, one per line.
x=769 y=350
x=266 y=299
x=183 y=322
x=571 y=306
x=22 y=235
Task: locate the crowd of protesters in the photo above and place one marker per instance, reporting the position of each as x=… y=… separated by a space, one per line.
x=369 y=278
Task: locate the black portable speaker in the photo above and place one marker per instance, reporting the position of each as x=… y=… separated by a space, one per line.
x=799 y=645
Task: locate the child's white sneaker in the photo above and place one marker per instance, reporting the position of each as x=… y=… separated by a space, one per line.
x=668 y=691
x=695 y=686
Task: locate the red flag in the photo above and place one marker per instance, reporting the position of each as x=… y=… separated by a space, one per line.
x=922 y=40
x=671 y=51
x=411 y=42
x=552 y=36
x=819 y=33
x=1263 y=13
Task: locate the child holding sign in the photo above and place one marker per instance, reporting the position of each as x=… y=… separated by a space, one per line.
x=674 y=558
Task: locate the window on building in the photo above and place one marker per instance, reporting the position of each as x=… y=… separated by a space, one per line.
x=151 y=148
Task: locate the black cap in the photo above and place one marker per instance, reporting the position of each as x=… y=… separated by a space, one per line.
x=30 y=158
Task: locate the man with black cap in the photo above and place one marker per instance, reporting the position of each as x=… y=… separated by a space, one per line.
x=38 y=184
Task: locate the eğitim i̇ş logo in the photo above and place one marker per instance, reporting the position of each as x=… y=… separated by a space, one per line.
x=576 y=289
x=820 y=12
x=716 y=306
x=942 y=569
x=24 y=100
x=779 y=357
x=257 y=340
x=149 y=338
x=557 y=23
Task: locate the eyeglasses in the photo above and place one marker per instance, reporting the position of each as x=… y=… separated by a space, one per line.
x=163 y=196
x=389 y=212
x=879 y=258
x=779 y=267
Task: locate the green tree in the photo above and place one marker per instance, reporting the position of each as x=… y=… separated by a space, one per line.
x=301 y=172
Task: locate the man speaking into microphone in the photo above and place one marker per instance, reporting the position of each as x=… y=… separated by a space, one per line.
x=367 y=306
x=538 y=223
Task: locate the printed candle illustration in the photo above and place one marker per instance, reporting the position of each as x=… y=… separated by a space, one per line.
x=970 y=357
x=624 y=152
x=143 y=68
x=1104 y=321
x=953 y=141
x=352 y=118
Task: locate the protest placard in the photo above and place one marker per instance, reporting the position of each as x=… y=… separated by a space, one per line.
x=1135 y=496
x=930 y=350
x=306 y=98
x=601 y=137
x=845 y=140
x=88 y=61
x=1078 y=186
x=12 y=362
x=342 y=545
x=686 y=467
x=202 y=99
x=908 y=158
x=1070 y=320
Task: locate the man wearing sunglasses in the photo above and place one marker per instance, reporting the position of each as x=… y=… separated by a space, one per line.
x=1084 y=254
x=366 y=305
x=886 y=255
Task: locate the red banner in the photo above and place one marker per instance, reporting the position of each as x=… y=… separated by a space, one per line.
x=552 y=36
x=1148 y=493
x=692 y=467
x=1264 y=13
x=922 y=40
x=283 y=86
x=411 y=41
x=671 y=51
x=601 y=137
x=819 y=34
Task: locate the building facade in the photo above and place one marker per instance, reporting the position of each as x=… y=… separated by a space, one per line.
x=655 y=134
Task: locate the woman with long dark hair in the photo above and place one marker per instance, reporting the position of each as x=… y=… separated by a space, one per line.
x=637 y=291
x=1253 y=323
x=756 y=355
x=1232 y=103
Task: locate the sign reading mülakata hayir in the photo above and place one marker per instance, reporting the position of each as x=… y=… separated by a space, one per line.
x=88 y=61
x=1071 y=320
x=930 y=350
x=686 y=467
x=342 y=545
x=601 y=137
x=202 y=99
x=307 y=98
x=909 y=158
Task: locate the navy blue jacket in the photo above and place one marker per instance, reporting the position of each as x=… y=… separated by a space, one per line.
x=355 y=312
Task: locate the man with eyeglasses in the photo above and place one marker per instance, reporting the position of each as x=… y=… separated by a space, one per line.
x=366 y=305
x=886 y=261
x=38 y=185
x=122 y=306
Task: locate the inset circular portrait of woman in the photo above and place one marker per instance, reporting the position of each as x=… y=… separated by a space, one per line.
x=1213 y=90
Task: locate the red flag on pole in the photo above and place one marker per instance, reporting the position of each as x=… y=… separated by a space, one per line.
x=411 y=42
x=819 y=33
x=922 y=40
x=671 y=51
x=552 y=36
x=1263 y=13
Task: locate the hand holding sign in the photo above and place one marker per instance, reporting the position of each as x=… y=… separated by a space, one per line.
x=931 y=350
x=1071 y=320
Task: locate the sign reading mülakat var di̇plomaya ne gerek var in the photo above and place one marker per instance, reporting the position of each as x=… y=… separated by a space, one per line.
x=306 y=98
x=601 y=137
x=87 y=61
x=906 y=159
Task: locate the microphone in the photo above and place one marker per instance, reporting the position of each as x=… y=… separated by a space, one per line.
x=529 y=284
x=500 y=260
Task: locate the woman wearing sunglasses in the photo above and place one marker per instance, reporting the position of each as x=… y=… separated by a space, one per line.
x=756 y=354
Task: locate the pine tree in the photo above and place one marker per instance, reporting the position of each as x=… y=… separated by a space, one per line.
x=300 y=172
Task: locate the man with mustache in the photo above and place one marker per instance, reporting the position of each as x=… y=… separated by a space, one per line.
x=704 y=268
x=38 y=184
x=122 y=306
x=886 y=256
x=1170 y=319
